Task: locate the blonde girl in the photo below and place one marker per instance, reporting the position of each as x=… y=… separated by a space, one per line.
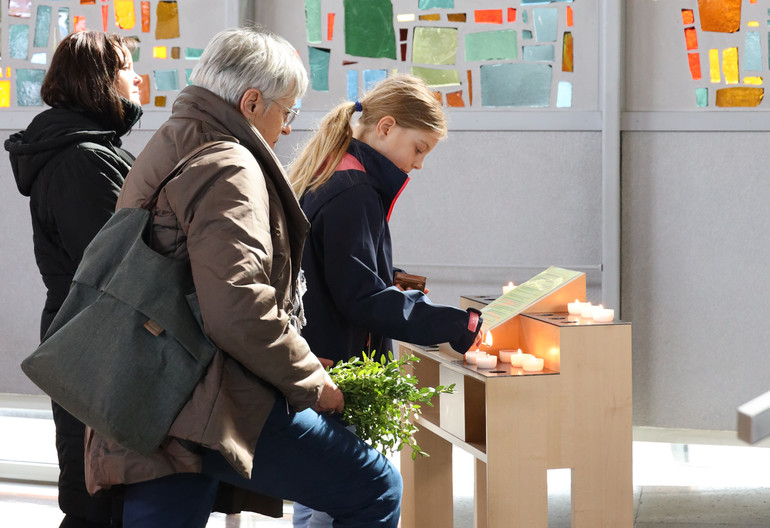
x=348 y=178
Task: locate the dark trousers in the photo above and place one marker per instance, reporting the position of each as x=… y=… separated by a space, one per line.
x=303 y=457
x=81 y=510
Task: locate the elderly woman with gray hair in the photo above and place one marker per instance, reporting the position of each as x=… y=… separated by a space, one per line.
x=257 y=418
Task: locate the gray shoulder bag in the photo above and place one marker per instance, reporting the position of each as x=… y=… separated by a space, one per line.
x=127 y=347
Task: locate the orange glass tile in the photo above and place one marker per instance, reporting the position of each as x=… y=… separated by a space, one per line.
x=739 y=96
x=457 y=17
x=570 y=17
x=688 y=18
x=512 y=14
x=105 y=17
x=175 y=52
x=455 y=99
x=432 y=17
x=753 y=1
x=722 y=16
x=144 y=89
x=470 y=88
x=489 y=16
x=160 y=100
x=87 y=2
x=439 y=98
x=145 y=17
x=691 y=38
x=567 y=53
x=694 y=60
x=5 y=94
x=159 y=52
x=329 y=26
x=79 y=23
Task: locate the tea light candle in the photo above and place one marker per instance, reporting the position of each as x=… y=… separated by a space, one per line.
x=518 y=358
x=603 y=315
x=486 y=362
x=508 y=287
x=471 y=356
x=505 y=355
x=588 y=311
x=533 y=364
x=575 y=308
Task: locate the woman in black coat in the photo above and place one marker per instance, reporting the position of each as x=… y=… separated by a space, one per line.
x=70 y=163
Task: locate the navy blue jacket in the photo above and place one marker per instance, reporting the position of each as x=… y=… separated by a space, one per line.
x=351 y=304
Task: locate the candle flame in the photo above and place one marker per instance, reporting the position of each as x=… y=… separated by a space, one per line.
x=511 y=284
x=488 y=339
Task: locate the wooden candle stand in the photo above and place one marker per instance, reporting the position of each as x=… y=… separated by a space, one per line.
x=574 y=414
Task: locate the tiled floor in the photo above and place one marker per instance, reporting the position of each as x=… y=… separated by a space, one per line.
x=675 y=486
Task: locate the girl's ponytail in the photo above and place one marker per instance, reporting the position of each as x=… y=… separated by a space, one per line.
x=320 y=157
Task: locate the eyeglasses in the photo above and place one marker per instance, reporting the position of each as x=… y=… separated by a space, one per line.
x=290 y=117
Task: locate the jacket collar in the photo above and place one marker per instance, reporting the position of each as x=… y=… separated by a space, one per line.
x=195 y=102
x=385 y=176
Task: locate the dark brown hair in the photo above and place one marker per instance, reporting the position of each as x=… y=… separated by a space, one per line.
x=83 y=73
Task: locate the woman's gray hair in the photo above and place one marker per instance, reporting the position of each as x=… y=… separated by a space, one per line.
x=242 y=58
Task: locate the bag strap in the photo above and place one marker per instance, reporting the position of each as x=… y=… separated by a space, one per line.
x=150 y=202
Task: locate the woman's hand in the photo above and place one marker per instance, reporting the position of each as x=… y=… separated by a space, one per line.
x=331 y=399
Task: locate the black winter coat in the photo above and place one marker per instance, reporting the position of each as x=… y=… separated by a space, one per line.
x=351 y=303
x=72 y=169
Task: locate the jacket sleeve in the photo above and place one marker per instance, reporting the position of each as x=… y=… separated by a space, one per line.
x=231 y=254
x=347 y=232
x=82 y=196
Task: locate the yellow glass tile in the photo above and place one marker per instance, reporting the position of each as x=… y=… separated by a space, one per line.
x=752 y=80
x=716 y=76
x=167 y=16
x=5 y=94
x=739 y=96
x=753 y=23
x=432 y=17
x=159 y=52
x=730 y=65
x=124 y=14
x=160 y=100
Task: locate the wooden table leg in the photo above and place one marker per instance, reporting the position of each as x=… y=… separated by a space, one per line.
x=428 y=496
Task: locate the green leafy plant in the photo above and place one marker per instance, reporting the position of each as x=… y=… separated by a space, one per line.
x=381 y=400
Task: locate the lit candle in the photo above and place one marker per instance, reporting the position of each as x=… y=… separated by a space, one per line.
x=518 y=358
x=533 y=364
x=505 y=355
x=471 y=355
x=575 y=308
x=508 y=287
x=603 y=315
x=486 y=362
x=588 y=311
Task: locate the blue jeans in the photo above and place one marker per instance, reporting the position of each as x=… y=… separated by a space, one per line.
x=304 y=457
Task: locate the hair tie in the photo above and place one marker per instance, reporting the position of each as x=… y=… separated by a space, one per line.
x=359 y=108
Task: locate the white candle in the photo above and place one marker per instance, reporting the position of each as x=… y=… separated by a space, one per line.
x=575 y=308
x=508 y=287
x=518 y=358
x=471 y=355
x=505 y=355
x=533 y=364
x=603 y=315
x=588 y=311
x=486 y=362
